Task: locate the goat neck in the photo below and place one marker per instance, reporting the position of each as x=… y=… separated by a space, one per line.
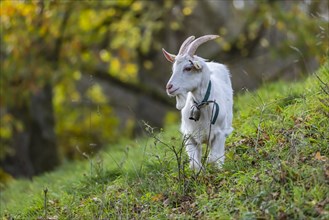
x=200 y=92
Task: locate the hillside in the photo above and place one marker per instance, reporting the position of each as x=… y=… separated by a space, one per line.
x=277 y=167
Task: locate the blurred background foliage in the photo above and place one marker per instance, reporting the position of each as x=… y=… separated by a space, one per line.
x=78 y=75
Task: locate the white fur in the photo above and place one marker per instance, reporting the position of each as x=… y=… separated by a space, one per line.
x=190 y=85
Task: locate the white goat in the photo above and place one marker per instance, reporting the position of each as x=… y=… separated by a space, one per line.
x=204 y=95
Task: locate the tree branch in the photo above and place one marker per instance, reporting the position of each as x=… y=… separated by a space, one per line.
x=140 y=89
x=59 y=39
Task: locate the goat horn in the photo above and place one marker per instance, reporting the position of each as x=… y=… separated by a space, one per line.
x=196 y=43
x=185 y=44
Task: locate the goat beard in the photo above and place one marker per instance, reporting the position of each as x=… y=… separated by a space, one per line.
x=180 y=101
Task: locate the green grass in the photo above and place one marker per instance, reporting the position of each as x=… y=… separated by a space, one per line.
x=276 y=167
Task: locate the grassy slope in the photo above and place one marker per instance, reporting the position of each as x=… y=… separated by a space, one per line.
x=277 y=166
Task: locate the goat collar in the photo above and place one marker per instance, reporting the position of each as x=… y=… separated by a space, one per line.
x=196 y=107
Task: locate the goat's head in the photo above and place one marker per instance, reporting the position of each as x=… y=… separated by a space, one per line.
x=187 y=69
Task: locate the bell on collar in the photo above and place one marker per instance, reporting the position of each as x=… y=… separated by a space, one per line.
x=195 y=113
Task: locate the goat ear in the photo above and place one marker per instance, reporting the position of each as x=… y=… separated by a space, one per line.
x=196 y=64
x=170 y=57
x=180 y=101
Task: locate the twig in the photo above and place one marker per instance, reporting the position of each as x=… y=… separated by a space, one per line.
x=45 y=191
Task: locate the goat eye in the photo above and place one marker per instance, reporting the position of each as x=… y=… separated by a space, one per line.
x=187 y=69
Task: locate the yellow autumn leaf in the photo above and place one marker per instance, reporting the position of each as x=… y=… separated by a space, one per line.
x=105 y=55
x=187 y=11
x=319 y=157
x=95 y=93
x=157 y=197
x=115 y=66
x=131 y=69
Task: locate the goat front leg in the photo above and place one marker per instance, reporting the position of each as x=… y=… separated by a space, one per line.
x=217 y=149
x=194 y=152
